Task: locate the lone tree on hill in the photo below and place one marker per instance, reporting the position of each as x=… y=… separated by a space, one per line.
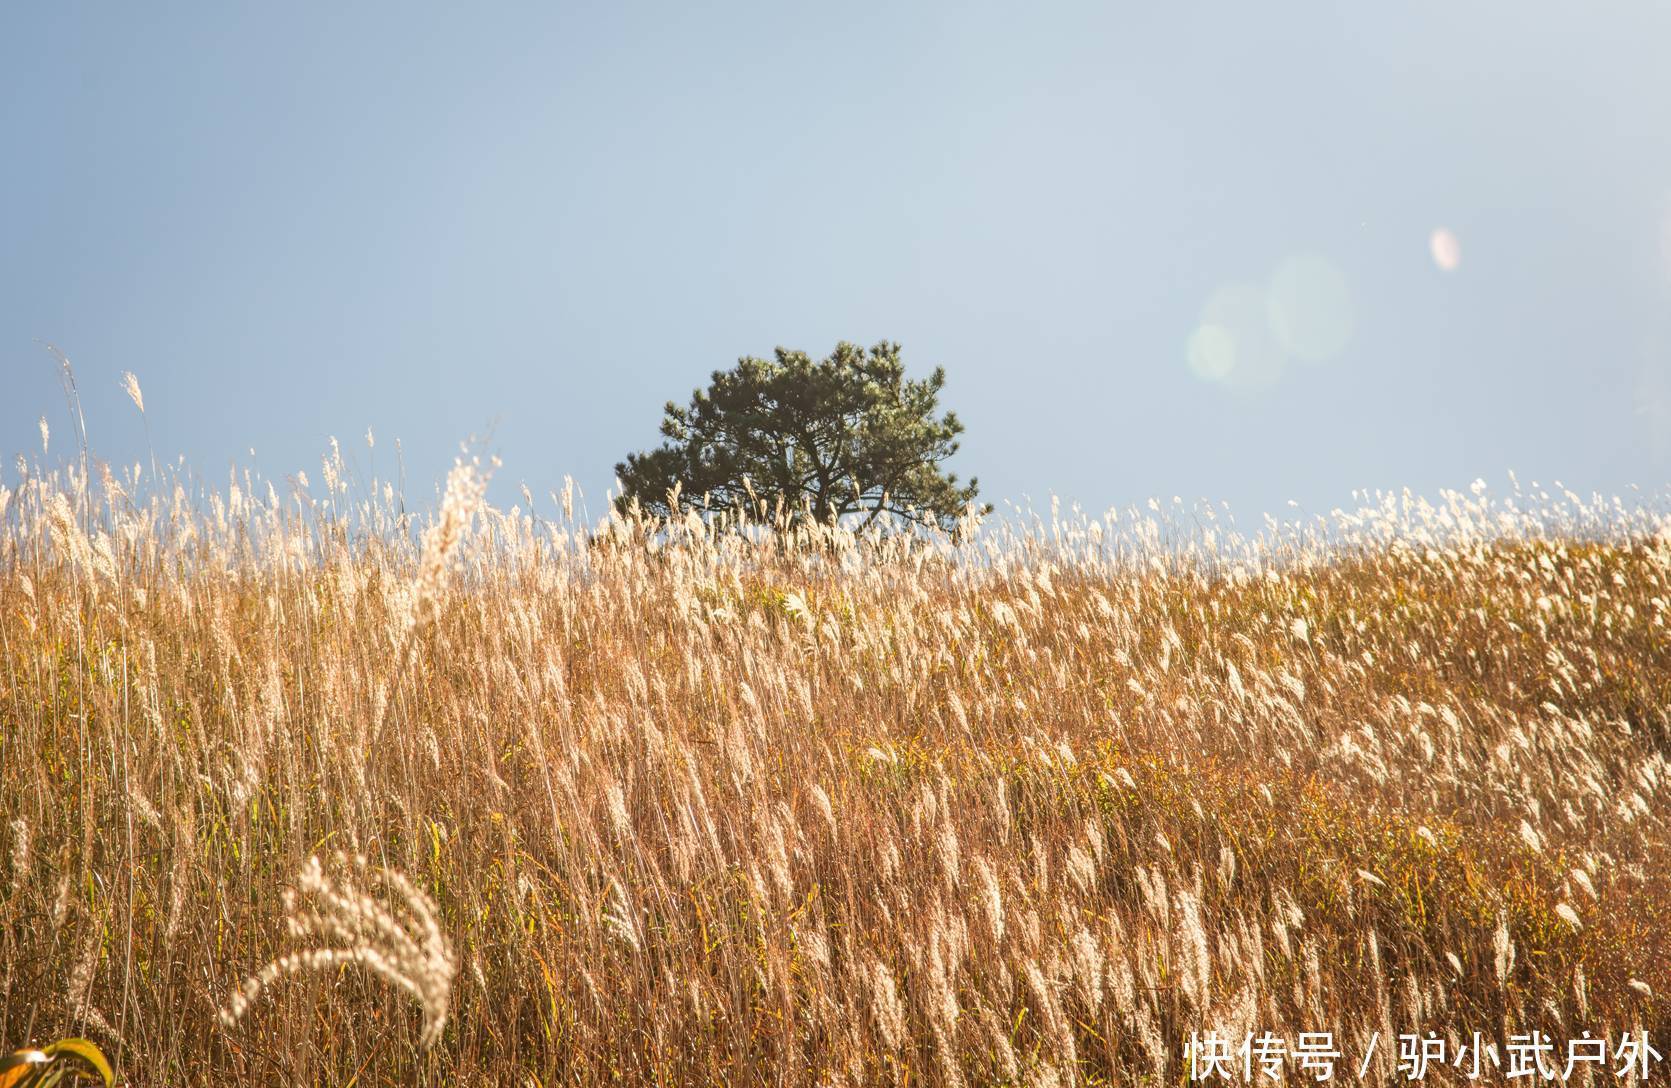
x=847 y=434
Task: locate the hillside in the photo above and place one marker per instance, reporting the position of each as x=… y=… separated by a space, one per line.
x=819 y=809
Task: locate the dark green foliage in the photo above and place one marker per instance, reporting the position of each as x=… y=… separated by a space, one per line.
x=846 y=434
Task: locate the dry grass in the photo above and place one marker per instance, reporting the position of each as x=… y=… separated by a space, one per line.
x=817 y=809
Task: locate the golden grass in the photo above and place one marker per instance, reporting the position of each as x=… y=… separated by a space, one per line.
x=817 y=809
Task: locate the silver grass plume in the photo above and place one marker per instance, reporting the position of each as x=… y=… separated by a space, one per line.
x=338 y=913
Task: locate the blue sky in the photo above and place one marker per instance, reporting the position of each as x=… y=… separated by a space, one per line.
x=1160 y=249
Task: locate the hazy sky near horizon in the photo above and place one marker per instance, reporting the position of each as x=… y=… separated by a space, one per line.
x=1160 y=249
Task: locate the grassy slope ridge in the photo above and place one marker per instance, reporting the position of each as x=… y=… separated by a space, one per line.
x=820 y=810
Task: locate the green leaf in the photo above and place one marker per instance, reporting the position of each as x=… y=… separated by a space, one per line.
x=84 y=1050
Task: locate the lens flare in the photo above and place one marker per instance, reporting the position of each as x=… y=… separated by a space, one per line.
x=1212 y=352
x=1232 y=343
x=1309 y=307
x=1446 y=250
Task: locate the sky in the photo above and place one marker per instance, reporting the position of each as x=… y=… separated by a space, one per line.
x=1253 y=253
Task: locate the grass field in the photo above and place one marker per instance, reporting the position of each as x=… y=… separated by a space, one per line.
x=814 y=809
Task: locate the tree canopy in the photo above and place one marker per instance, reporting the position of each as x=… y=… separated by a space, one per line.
x=845 y=434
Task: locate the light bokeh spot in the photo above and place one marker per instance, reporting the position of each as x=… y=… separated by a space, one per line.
x=1212 y=352
x=1309 y=307
x=1446 y=249
x=1232 y=342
